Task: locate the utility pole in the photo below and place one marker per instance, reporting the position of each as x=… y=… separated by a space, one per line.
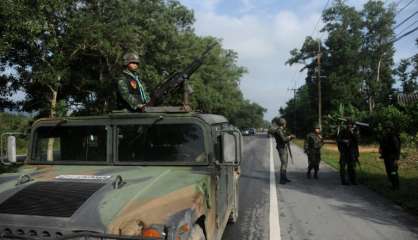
x=319 y=85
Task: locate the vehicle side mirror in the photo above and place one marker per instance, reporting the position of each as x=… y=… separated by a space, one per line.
x=11 y=149
x=231 y=147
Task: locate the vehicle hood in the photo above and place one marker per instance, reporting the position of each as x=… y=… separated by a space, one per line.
x=93 y=198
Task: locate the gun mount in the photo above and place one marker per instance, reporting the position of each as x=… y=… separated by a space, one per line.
x=176 y=80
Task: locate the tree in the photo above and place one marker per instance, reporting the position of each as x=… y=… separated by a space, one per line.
x=407 y=73
x=67 y=55
x=377 y=52
x=340 y=76
x=356 y=62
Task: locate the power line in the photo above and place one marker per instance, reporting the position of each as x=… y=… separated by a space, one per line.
x=404 y=35
x=399 y=2
x=313 y=31
x=410 y=25
x=406 y=19
x=319 y=19
x=409 y=3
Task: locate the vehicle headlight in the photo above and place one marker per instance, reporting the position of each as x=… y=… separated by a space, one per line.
x=154 y=231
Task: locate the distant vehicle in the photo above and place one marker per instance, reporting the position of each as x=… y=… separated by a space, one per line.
x=152 y=175
x=252 y=131
x=245 y=132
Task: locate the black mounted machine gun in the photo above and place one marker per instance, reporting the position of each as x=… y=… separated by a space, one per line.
x=178 y=80
x=337 y=123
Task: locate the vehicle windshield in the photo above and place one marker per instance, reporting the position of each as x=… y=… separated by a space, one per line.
x=70 y=143
x=161 y=143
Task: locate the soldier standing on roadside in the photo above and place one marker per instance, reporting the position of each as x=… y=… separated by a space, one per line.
x=390 y=150
x=131 y=90
x=347 y=141
x=282 y=140
x=312 y=148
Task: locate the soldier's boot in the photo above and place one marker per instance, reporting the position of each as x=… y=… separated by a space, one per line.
x=352 y=176
x=308 y=174
x=316 y=169
x=343 y=179
x=342 y=174
x=285 y=177
x=395 y=181
x=282 y=178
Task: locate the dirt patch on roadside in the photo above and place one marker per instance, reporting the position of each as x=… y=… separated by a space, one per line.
x=362 y=149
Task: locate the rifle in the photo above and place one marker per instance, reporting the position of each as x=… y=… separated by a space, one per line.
x=290 y=153
x=177 y=79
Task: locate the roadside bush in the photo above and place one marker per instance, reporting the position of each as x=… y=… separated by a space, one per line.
x=389 y=113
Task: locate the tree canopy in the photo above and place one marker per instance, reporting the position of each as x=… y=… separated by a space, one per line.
x=65 y=54
x=357 y=67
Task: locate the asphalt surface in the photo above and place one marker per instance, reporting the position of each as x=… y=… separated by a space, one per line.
x=311 y=209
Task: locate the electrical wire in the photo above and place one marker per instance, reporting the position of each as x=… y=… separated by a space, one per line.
x=405 y=20
x=319 y=19
x=404 y=35
x=410 y=25
x=312 y=34
x=409 y=3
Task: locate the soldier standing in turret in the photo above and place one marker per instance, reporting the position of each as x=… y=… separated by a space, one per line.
x=312 y=147
x=347 y=141
x=131 y=90
x=282 y=140
x=390 y=151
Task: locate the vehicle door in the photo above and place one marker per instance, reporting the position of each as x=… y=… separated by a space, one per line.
x=226 y=175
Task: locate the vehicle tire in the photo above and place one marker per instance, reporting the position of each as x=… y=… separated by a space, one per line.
x=197 y=233
x=233 y=218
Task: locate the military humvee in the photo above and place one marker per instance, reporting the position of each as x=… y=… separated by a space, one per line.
x=153 y=175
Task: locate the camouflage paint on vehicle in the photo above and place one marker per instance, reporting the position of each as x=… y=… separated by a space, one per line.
x=174 y=196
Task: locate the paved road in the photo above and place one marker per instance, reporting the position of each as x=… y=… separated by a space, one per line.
x=309 y=209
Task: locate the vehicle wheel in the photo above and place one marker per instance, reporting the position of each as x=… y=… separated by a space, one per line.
x=233 y=218
x=197 y=233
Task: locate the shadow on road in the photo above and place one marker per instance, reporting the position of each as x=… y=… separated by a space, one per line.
x=356 y=201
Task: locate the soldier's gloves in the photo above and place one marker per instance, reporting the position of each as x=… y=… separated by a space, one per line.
x=140 y=107
x=292 y=137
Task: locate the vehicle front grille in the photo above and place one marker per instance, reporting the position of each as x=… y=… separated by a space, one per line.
x=24 y=233
x=52 y=199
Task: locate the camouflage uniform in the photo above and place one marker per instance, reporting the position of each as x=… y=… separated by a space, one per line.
x=312 y=147
x=347 y=141
x=131 y=90
x=390 y=150
x=282 y=141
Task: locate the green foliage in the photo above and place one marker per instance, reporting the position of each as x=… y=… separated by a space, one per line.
x=15 y=123
x=389 y=113
x=75 y=48
x=299 y=112
x=407 y=73
x=377 y=52
x=356 y=71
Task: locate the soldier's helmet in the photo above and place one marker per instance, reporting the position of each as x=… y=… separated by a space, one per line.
x=388 y=124
x=279 y=121
x=316 y=126
x=130 y=57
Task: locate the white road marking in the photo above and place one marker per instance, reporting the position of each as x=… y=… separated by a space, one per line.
x=274 y=208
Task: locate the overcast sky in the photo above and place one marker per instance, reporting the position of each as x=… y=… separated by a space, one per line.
x=264 y=31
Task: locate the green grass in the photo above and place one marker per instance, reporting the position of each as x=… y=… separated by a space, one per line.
x=372 y=173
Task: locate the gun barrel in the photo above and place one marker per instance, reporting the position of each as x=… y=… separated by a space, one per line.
x=174 y=81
